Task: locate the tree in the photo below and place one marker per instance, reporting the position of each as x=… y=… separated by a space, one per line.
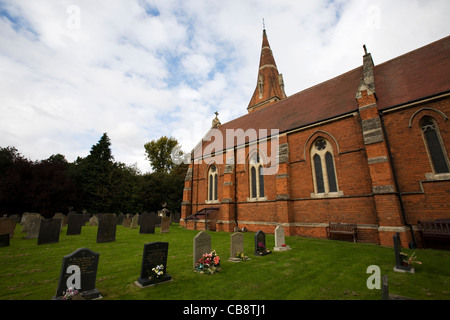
x=159 y=153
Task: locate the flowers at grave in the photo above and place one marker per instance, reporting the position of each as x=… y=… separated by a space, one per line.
x=261 y=248
x=241 y=255
x=410 y=261
x=157 y=272
x=70 y=293
x=208 y=263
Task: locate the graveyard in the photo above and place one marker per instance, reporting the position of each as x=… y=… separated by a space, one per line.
x=309 y=269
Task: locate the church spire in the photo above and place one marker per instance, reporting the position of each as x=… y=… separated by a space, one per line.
x=270 y=84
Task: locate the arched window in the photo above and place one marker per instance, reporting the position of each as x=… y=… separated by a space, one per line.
x=256 y=177
x=324 y=173
x=435 y=147
x=212 y=183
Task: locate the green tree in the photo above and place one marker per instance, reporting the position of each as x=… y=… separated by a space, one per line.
x=159 y=153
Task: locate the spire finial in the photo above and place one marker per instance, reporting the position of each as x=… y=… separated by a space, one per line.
x=365 y=49
x=264 y=25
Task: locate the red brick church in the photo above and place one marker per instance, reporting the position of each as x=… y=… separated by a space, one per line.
x=369 y=147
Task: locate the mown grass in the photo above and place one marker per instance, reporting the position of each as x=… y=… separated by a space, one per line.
x=314 y=269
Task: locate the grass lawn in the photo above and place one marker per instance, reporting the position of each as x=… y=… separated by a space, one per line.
x=314 y=269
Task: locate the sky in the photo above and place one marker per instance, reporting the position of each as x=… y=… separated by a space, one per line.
x=142 y=69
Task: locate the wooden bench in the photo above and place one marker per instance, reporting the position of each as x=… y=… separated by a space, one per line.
x=435 y=230
x=342 y=228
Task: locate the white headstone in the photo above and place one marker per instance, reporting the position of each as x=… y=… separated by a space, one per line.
x=280 y=244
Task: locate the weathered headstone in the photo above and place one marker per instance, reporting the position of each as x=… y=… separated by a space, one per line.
x=165 y=224
x=120 y=217
x=93 y=221
x=399 y=265
x=79 y=271
x=154 y=256
x=135 y=222
x=260 y=244
x=4 y=240
x=74 y=224
x=49 y=231
x=148 y=221
x=107 y=228
x=26 y=221
x=237 y=246
x=202 y=245
x=127 y=221
x=59 y=216
x=86 y=217
x=7 y=225
x=280 y=244
x=34 y=223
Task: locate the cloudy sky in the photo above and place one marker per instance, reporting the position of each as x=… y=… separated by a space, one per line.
x=141 y=69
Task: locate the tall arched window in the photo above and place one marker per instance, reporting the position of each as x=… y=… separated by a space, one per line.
x=324 y=173
x=435 y=147
x=256 y=177
x=213 y=178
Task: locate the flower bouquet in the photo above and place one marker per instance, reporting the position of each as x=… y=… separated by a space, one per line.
x=70 y=294
x=261 y=249
x=157 y=272
x=208 y=263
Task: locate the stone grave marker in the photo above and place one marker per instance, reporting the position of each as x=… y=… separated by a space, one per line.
x=107 y=228
x=79 y=271
x=399 y=266
x=154 y=256
x=135 y=222
x=74 y=224
x=7 y=225
x=280 y=244
x=148 y=221
x=49 y=231
x=86 y=217
x=26 y=221
x=4 y=240
x=120 y=217
x=93 y=221
x=202 y=245
x=260 y=244
x=237 y=246
x=59 y=216
x=165 y=224
x=34 y=223
x=127 y=221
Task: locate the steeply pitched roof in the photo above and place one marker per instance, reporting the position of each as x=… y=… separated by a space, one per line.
x=418 y=74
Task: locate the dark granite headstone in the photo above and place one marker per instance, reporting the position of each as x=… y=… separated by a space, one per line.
x=74 y=224
x=260 y=244
x=148 y=222
x=4 y=240
x=49 y=231
x=107 y=228
x=155 y=254
x=79 y=271
x=399 y=264
x=120 y=217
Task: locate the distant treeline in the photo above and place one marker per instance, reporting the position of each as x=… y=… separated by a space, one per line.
x=95 y=183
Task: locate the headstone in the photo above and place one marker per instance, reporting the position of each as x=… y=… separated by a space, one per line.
x=165 y=224
x=127 y=221
x=399 y=265
x=237 y=246
x=7 y=225
x=175 y=217
x=120 y=217
x=59 y=216
x=148 y=221
x=86 y=217
x=79 y=271
x=280 y=244
x=135 y=222
x=107 y=228
x=34 y=223
x=4 y=240
x=49 y=231
x=93 y=221
x=154 y=257
x=74 y=224
x=26 y=221
x=202 y=245
x=260 y=244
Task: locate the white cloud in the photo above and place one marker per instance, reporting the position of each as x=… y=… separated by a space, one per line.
x=141 y=69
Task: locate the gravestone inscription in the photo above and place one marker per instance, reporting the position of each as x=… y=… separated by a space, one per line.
x=148 y=222
x=107 y=228
x=260 y=244
x=202 y=245
x=154 y=264
x=49 y=231
x=79 y=271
